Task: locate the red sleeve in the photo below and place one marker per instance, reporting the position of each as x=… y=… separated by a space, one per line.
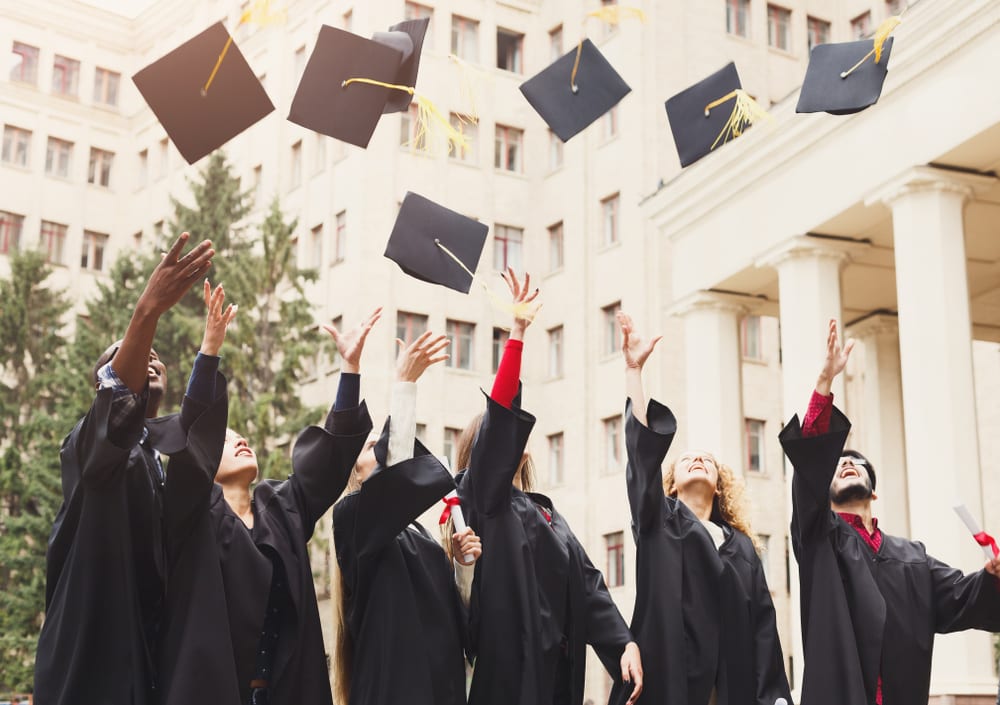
x=508 y=374
x=817 y=420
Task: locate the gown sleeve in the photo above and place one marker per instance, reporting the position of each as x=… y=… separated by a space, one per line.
x=769 y=667
x=646 y=447
x=496 y=454
x=963 y=601
x=606 y=630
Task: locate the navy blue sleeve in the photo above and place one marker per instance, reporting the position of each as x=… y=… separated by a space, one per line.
x=348 y=391
x=201 y=385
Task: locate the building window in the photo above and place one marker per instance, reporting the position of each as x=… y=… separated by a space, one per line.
x=409 y=326
x=818 y=31
x=468 y=127
x=556 y=459
x=258 y=184
x=765 y=550
x=555 y=43
x=408 y=136
x=164 y=157
x=508 y=243
x=319 y=153
x=612 y=443
x=779 y=27
x=450 y=446
x=510 y=50
x=143 y=168
x=755 y=445
x=609 y=124
x=416 y=11
x=500 y=337
x=340 y=237
x=614 y=546
x=16 y=143
x=99 y=171
x=296 y=168
x=861 y=26
x=555 y=151
x=556 y=246
x=556 y=352
x=106 y=87
x=507 y=155
x=738 y=17
x=51 y=240
x=609 y=220
x=92 y=253
x=316 y=245
x=609 y=340
x=10 y=231
x=460 y=350
x=750 y=338
x=24 y=66
x=65 y=76
x=57 y=157
x=465 y=38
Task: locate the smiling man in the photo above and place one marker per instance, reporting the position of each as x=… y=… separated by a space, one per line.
x=871 y=602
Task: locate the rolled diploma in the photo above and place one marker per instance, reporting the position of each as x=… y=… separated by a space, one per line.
x=970 y=522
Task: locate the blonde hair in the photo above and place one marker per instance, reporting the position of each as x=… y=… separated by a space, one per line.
x=343 y=649
x=729 y=502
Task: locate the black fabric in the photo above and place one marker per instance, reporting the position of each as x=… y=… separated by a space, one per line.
x=105 y=567
x=703 y=616
x=862 y=613
x=401 y=604
x=221 y=575
x=536 y=597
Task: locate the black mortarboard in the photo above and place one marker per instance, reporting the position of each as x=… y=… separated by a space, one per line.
x=324 y=104
x=826 y=89
x=407 y=38
x=413 y=244
x=200 y=120
x=695 y=132
x=567 y=111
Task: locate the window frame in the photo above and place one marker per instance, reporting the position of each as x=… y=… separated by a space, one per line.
x=104 y=79
x=460 y=333
x=104 y=160
x=556 y=245
x=614 y=552
x=511 y=43
x=65 y=76
x=779 y=26
x=758 y=439
x=64 y=167
x=93 y=250
x=11 y=228
x=738 y=18
x=27 y=59
x=53 y=233
x=505 y=137
x=610 y=220
x=461 y=29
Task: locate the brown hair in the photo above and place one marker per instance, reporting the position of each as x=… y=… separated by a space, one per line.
x=729 y=502
x=343 y=647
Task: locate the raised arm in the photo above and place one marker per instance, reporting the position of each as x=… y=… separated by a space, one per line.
x=649 y=431
x=965 y=601
x=413 y=360
x=508 y=378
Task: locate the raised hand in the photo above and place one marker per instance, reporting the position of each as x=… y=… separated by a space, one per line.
x=635 y=350
x=217 y=320
x=174 y=276
x=351 y=344
x=522 y=295
x=416 y=357
x=466 y=543
x=632 y=670
x=836 y=359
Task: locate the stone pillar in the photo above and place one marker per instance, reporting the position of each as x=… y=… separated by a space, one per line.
x=713 y=418
x=935 y=341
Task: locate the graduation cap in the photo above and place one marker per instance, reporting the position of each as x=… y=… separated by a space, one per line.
x=846 y=78
x=199 y=106
x=575 y=90
x=710 y=113
x=407 y=38
x=435 y=244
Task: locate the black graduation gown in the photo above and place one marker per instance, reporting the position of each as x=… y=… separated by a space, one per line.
x=401 y=604
x=865 y=614
x=105 y=567
x=724 y=635
x=220 y=577
x=537 y=600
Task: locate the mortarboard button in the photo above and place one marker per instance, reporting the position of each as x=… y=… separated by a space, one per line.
x=408 y=38
x=199 y=120
x=598 y=88
x=413 y=244
x=324 y=104
x=826 y=88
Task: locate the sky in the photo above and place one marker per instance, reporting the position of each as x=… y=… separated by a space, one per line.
x=128 y=8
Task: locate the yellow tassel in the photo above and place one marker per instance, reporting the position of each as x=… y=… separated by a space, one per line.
x=525 y=310
x=882 y=34
x=746 y=112
x=259 y=13
x=614 y=14
x=470 y=78
x=431 y=122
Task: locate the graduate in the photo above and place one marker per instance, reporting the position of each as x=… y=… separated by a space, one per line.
x=105 y=563
x=241 y=621
x=703 y=613
x=871 y=602
x=537 y=600
x=400 y=623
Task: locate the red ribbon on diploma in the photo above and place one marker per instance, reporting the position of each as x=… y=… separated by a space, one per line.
x=982 y=538
x=450 y=502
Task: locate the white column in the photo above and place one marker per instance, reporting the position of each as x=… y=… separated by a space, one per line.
x=935 y=341
x=713 y=417
x=876 y=409
x=809 y=296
